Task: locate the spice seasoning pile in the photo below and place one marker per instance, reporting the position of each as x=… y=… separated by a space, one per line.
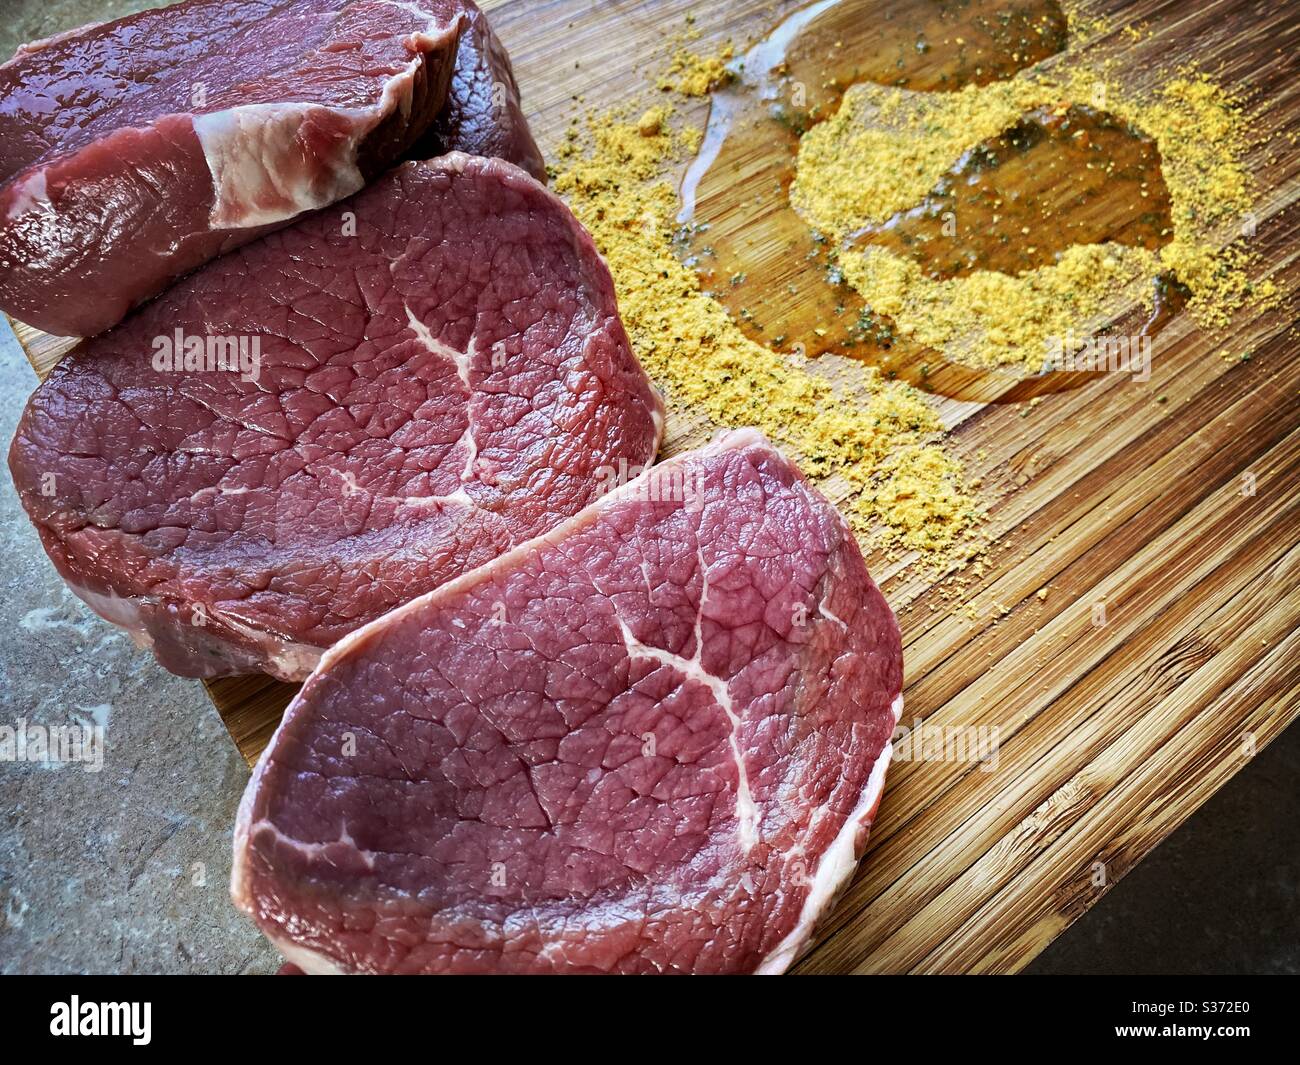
x=885 y=150
x=882 y=438
x=881 y=154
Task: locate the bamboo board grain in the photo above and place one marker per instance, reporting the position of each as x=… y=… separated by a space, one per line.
x=1170 y=509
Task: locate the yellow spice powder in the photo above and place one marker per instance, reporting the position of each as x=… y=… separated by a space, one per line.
x=881 y=438
x=693 y=74
x=886 y=148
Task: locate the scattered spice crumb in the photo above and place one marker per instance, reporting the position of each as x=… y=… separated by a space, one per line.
x=692 y=74
x=882 y=441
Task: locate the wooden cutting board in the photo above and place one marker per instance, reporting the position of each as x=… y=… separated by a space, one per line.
x=1163 y=520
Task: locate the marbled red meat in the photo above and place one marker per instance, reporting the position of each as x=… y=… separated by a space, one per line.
x=441 y=374
x=483 y=114
x=652 y=740
x=135 y=150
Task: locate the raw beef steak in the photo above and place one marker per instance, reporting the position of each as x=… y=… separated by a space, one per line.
x=133 y=151
x=651 y=740
x=440 y=374
x=483 y=114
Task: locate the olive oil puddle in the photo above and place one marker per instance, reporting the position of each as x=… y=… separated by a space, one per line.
x=1016 y=201
x=778 y=278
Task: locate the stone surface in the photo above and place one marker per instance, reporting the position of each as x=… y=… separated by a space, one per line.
x=29 y=20
x=124 y=868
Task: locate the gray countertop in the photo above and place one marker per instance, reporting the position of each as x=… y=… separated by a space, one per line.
x=124 y=867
